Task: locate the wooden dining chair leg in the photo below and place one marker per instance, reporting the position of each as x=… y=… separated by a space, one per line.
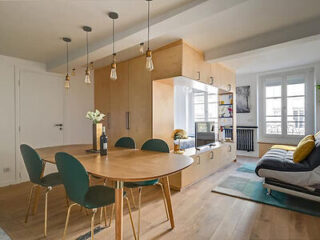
x=111 y=215
x=67 y=199
x=67 y=221
x=139 y=211
x=29 y=203
x=101 y=212
x=105 y=215
x=92 y=222
x=164 y=200
x=46 y=210
x=132 y=196
x=131 y=220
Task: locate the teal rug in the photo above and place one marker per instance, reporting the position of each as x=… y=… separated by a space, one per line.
x=244 y=183
x=3 y=235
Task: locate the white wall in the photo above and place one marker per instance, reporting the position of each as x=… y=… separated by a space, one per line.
x=79 y=99
x=249 y=119
x=77 y=102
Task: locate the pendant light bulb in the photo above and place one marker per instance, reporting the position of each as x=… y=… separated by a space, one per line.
x=87 y=77
x=73 y=73
x=91 y=66
x=149 y=62
x=67 y=82
x=141 y=48
x=113 y=73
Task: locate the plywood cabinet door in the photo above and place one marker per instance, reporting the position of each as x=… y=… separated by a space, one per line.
x=119 y=103
x=102 y=92
x=140 y=101
x=191 y=63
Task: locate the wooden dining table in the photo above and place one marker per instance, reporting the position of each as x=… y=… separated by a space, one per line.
x=125 y=165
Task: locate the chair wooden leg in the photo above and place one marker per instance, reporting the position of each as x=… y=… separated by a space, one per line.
x=67 y=221
x=92 y=222
x=29 y=203
x=164 y=200
x=139 y=211
x=67 y=199
x=111 y=215
x=46 y=210
x=105 y=216
x=131 y=220
x=132 y=196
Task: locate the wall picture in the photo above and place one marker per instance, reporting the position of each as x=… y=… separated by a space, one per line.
x=243 y=94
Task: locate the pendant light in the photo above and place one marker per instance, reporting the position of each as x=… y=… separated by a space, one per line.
x=87 y=76
x=149 y=63
x=67 y=80
x=113 y=72
x=141 y=47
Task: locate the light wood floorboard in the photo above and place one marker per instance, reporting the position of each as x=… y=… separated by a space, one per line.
x=199 y=214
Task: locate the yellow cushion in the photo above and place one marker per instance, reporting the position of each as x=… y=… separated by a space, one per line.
x=304 y=148
x=284 y=147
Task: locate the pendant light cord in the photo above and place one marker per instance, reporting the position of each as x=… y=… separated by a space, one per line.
x=87 y=51
x=148 y=23
x=113 y=36
x=67 y=58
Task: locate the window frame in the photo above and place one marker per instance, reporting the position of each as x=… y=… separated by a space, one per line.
x=308 y=75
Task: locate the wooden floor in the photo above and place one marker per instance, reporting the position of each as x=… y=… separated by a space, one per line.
x=199 y=214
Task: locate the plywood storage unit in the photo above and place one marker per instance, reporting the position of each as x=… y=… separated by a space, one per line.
x=130 y=101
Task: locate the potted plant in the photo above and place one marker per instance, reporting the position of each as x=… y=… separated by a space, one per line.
x=177 y=135
x=96 y=117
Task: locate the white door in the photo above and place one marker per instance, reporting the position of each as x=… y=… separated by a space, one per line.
x=41 y=112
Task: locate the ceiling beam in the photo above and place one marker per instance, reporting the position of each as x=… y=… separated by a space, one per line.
x=276 y=38
x=160 y=25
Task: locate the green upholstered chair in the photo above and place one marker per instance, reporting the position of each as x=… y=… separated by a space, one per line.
x=126 y=142
x=76 y=181
x=35 y=168
x=157 y=145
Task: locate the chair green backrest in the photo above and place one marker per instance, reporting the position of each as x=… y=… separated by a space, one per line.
x=126 y=142
x=74 y=177
x=32 y=161
x=157 y=145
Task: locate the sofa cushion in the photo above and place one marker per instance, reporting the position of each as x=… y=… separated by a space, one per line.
x=304 y=148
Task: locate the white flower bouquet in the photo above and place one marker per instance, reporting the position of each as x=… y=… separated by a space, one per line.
x=96 y=116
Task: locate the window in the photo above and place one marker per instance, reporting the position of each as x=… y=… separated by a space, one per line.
x=205 y=106
x=284 y=104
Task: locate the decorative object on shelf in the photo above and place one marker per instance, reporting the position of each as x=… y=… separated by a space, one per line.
x=141 y=47
x=243 y=94
x=149 y=62
x=87 y=76
x=96 y=117
x=113 y=72
x=177 y=135
x=73 y=73
x=67 y=80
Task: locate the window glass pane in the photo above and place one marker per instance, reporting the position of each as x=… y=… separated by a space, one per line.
x=273 y=91
x=273 y=107
x=295 y=89
x=295 y=128
x=199 y=112
x=212 y=110
x=295 y=106
x=296 y=118
x=198 y=98
x=273 y=128
x=212 y=98
x=273 y=119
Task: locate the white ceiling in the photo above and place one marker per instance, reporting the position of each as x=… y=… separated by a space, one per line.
x=277 y=57
x=32 y=29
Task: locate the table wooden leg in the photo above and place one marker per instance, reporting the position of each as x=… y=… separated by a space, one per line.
x=119 y=210
x=167 y=193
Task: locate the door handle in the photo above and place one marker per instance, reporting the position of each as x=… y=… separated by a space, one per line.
x=128 y=120
x=58 y=125
x=211 y=155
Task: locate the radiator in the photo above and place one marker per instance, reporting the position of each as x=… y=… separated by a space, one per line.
x=245 y=139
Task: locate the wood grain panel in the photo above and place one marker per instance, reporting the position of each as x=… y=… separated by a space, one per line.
x=163 y=110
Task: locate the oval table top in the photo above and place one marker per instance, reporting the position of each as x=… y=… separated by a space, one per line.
x=122 y=164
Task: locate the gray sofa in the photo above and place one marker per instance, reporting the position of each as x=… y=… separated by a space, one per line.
x=282 y=174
